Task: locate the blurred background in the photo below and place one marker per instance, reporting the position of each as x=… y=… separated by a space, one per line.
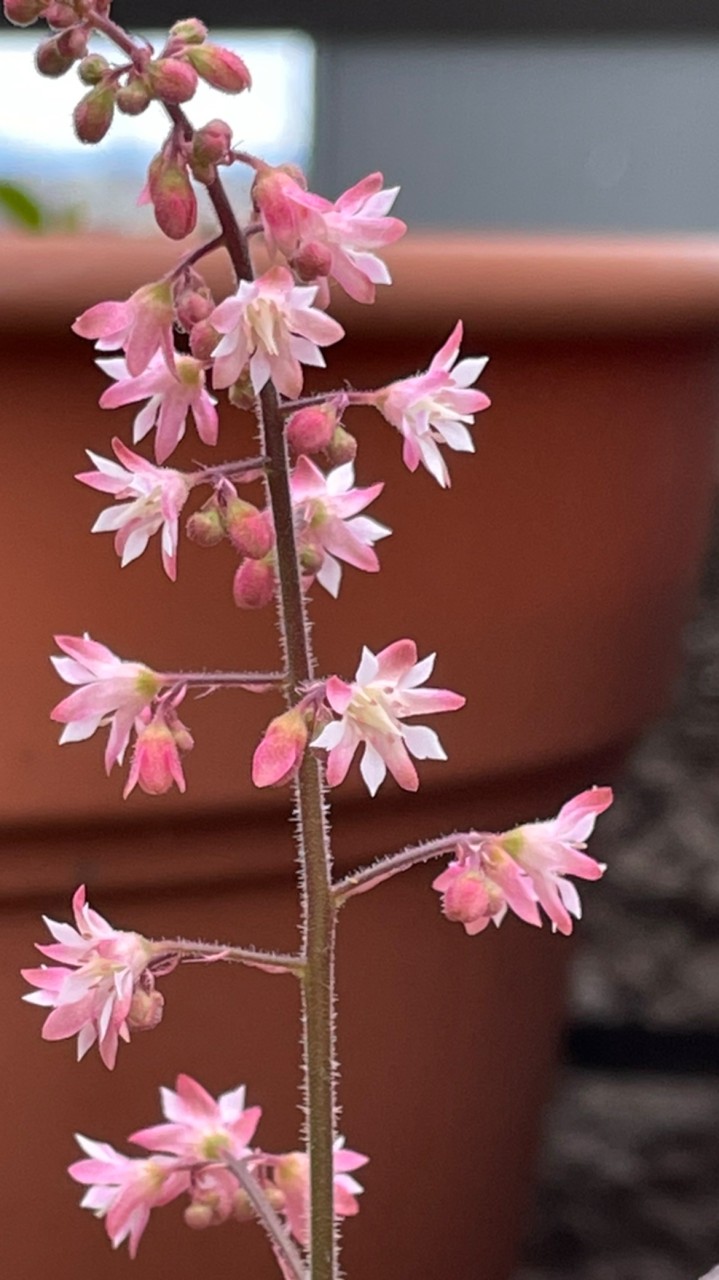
x=598 y=117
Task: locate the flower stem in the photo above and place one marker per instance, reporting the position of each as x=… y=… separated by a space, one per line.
x=182 y=949
x=270 y=1219
x=384 y=868
x=224 y=679
x=315 y=875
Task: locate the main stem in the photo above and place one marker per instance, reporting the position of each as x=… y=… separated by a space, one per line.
x=318 y=912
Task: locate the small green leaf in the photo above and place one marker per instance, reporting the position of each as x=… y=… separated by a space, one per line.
x=21 y=208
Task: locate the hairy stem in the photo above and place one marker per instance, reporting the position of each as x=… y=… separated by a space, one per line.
x=183 y=949
x=384 y=868
x=280 y=1238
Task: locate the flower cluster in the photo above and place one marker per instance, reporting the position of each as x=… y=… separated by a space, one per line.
x=203 y=1152
x=525 y=869
x=102 y=985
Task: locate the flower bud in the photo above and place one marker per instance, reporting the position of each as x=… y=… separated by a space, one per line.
x=203 y=340
x=211 y=143
x=93 y=114
x=465 y=898
x=22 y=13
x=146 y=1010
x=311 y=429
x=254 y=584
x=189 y=31
x=249 y=530
x=50 y=61
x=271 y=195
x=156 y=761
x=172 y=196
x=73 y=43
x=281 y=750
x=192 y=307
x=134 y=97
x=313 y=261
x=198 y=1216
x=171 y=80
x=58 y=15
x=342 y=447
x=93 y=68
x=219 y=67
x=206 y=527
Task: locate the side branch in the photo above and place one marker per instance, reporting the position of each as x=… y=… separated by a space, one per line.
x=384 y=868
x=280 y=1238
x=209 y=952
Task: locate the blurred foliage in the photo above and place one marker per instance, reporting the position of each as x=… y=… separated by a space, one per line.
x=21 y=209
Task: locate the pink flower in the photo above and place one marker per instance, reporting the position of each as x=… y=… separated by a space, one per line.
x=524 y=869
x=373 y=709
x=200 y=1127
x=326 y=509
x=336 y=238
x=292 y=1176
x=271 y=324
x=432 y=408
x=123 y=1191
x=151 y=499
x=141 y=326
x=161 y=736
x=112 y=691
x=174 y=389
x=91 y=990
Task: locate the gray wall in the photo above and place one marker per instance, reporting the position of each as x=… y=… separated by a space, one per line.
x=618 y=135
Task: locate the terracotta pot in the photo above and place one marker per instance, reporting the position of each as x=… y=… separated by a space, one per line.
x=553 y=580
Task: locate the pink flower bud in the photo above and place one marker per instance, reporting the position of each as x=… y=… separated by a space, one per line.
x=49 y=61
x=93 y=114
x=73 y=43
x=466 y=898
x=22 y=13
x=134 y=97
x=171 y=80
x=203 y=340
x=172 y=196
x=281 y=750
x=254 y=584
x=93 y=68
x=146 y=1010
x=206 y=527
x=211 y=143
x=249 y=530
x=192 y=308
x=342 y=447
x=313 y=261
x=311 y=429
x=219 y=67
x=189 y=31
x=156 y=756
x=58 y=15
